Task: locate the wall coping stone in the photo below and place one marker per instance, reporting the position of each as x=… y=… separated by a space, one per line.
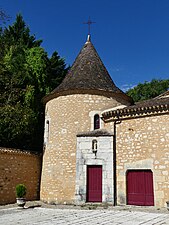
x=95 y=133
x=136 y=111
x=18 y=152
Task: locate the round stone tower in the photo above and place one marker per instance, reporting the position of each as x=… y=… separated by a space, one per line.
x=86 y=91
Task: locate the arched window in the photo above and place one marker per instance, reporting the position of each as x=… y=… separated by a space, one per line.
x=46 y=136
x=96 y=121
x=47 y=127
x=94 y=145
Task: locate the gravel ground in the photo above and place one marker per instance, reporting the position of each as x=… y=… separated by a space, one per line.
x=33 y=204
x=39 y=213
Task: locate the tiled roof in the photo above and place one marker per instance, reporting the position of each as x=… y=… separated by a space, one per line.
x=156 y=105
x=95 y=133
x=86 y=74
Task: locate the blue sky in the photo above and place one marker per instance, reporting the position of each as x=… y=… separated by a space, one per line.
x=131 y=36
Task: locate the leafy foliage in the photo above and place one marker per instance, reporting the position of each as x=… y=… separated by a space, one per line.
x=27 y=74
x=20 y=190
x=148 y=90
x=19 y=34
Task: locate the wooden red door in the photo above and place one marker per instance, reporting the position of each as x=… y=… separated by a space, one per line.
x=140 y=188
x=94 y=183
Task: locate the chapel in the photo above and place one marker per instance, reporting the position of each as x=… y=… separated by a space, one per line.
x=98 y=145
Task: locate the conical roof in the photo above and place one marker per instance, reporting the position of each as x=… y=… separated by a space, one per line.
x=87 y=74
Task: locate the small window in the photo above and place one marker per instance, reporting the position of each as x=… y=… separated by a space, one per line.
x=96 y=122
x=47 y=123
x=46 y=137
x=47 y=126
x=94 y=145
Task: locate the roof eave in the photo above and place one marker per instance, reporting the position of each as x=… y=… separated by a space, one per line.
x=127 y=113
x=107 y=93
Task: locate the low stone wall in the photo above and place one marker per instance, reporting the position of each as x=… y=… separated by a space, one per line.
x=16 y=167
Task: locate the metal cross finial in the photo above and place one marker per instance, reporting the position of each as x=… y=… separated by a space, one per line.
x=89 y=22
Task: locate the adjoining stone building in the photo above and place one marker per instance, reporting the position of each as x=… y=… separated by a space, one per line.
x=142 y=151
x=98 y=146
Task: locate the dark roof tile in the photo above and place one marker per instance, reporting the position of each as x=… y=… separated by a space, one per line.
x=158 y=104
x=95 y=133
x=88 y=73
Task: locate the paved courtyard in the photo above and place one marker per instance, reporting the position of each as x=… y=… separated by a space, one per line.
x=50 y=216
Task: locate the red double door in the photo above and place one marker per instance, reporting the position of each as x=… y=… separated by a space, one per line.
x=94 y=183
x=140 y=188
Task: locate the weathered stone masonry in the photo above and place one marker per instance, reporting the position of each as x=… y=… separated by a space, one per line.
x=68 y=115
x=102 y=157
x=143 y=143
x=16 y=167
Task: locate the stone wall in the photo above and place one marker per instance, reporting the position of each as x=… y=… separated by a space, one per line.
x=86 y=157
x=67 y=116
x=143 y=143
x=16 y=167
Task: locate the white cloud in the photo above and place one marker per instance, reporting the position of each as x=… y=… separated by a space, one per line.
x=126 y=87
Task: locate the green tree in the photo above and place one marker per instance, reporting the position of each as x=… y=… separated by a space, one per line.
x=148 y=90
x=26 y=75
x=3 y=19
x=56 y=73
x=19 y=34
x=16 y=126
